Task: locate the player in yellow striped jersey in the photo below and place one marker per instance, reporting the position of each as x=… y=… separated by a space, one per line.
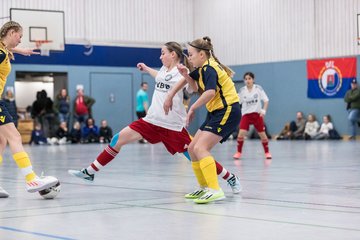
x=213 y=80
x=10 y=37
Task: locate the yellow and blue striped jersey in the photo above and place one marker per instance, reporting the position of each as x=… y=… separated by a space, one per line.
x=212 y=76
x=5 y=67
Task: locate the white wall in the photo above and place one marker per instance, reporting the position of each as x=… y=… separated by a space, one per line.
x=255 y=31
x=134 y=22
x=26 y=92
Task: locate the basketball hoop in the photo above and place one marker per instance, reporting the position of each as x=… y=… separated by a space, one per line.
x=44 y=47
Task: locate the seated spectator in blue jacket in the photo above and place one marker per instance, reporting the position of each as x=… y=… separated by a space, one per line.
x=38 y=136
x=90 y=132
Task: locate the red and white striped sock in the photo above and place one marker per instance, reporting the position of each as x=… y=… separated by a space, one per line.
x=104 y=158
x=240 y=142
x=222 y=172
x=265 y=144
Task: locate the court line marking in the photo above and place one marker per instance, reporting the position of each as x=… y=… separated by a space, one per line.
x=35 y=233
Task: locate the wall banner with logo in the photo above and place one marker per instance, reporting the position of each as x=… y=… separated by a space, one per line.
x=330 y=78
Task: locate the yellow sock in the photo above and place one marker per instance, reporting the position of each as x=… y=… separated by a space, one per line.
x=199 y=176
x=208 y=168
x=23 y=162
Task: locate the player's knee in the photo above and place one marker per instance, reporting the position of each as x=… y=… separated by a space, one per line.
x=187 y=155
x=114 y=140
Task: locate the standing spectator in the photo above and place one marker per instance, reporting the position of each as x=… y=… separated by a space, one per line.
x=75 y=133
x=105 y=132
x=37 y=109
x=325 y=128
x=82 y=106
x=311 y=127
x=142 y=103
x=49 y=121
x=352 y=97
x=62 y=106
x=10 y=103
x=90 y=132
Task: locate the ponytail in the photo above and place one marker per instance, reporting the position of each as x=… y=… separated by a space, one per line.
x=206 y=45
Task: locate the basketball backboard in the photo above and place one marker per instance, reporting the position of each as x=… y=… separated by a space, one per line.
x=41 y=28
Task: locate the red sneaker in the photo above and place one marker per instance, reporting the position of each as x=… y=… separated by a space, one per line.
x=237 y=155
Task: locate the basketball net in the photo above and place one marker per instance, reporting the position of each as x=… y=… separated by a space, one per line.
x=43 y=46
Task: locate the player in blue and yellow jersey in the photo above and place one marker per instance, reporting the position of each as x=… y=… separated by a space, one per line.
x=10 y=37
x=213 y=80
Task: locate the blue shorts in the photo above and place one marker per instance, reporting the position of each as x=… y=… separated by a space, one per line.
x=5 y=116
x=223 y=122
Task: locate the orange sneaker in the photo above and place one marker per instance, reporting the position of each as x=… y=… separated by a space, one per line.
x=237 y=155
x=268 y=155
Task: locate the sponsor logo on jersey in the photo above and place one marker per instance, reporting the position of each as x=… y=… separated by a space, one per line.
x=2 y=119
x=162 y=86
x=168 y=77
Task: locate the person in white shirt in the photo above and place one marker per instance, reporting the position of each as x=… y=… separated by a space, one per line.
x=311 y=127
x=325 y=128
x=158 y=125
x=253 y=112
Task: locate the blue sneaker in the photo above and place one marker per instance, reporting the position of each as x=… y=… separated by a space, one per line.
x=83 y=174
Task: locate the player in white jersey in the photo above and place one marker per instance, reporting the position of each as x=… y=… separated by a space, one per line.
x=157 y=126
x=251 y=98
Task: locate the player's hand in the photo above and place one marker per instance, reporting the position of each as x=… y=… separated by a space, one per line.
x=25 y=51
x=190 y=116
x=182 y=70
x=141 y=66
x=168 y=104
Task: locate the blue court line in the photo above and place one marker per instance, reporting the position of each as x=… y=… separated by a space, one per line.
x=35 y=233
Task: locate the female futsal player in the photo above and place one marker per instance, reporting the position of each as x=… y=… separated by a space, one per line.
x=251 y=96
x=213 y=80
x=157 y=126
x=10 y=37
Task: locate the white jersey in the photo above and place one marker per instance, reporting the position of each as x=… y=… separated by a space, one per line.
x=176 y=118
x=251 y=100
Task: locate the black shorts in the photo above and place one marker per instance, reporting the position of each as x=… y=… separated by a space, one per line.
x=141 y=114
x=223 y=122
x=5 y=116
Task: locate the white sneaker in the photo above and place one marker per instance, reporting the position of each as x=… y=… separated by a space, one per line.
x=62 y=141
x=234 y=183
x=52 y=141
x=3 y=193
x=41 y=183
x=83 y=174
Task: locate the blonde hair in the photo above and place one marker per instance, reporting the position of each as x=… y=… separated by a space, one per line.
x=11 y=25
x=204 y=44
